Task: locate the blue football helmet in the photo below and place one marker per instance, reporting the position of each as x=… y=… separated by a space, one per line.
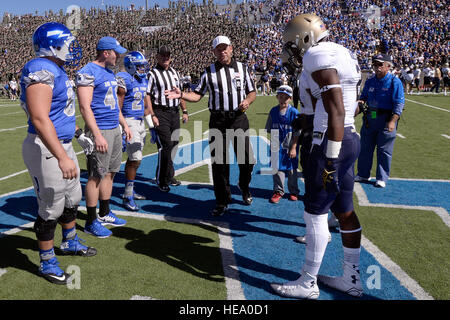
x=136 y=64
x=53 y=39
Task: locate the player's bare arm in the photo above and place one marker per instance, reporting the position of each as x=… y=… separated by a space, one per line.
x=39 y=100
x=329 y=83
x=84 y=99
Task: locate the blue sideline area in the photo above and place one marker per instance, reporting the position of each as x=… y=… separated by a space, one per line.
x=263 y=234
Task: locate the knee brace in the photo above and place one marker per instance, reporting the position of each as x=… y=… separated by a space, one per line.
x=45 y=230
x=68 y=215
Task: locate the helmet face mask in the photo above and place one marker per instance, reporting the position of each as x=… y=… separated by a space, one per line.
x=289 y=66
x=54 y=39
x=136 y=64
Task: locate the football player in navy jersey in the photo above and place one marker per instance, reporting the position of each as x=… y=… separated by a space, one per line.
x=48 y=99
x=97 y=95
x=134 y=102
x=333 y=77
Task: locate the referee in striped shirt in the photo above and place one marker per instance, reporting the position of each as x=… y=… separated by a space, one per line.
x=231 y=91
x=165 y=115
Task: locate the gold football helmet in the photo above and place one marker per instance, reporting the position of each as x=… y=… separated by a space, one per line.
x=300 y=34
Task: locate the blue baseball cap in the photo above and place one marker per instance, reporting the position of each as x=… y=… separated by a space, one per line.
x=110 y=43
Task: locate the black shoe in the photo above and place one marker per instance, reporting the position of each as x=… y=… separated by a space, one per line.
x=174 y=182
x=164 y=188
x=246 y=195
x=219 y=210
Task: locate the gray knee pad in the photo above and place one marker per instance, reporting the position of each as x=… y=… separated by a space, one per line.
x=45 y=230
x=68 y=215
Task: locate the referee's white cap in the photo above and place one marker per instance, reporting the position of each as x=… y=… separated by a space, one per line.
x=219 y=40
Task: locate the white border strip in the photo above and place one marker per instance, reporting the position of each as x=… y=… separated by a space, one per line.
x=428 y=105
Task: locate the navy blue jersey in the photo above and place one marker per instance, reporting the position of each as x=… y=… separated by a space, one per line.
x=105 y=105
x=62 y=111
x=136 y=90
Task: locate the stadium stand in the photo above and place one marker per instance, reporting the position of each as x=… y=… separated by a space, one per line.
x=414 y=32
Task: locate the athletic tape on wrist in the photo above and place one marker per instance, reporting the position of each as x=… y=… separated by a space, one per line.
x=333 y=149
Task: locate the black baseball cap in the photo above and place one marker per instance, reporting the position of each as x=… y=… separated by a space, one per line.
x=164 y=50
x=382 y=57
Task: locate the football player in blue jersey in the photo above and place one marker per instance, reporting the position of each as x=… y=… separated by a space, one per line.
x=134 y=102
x=97 y=95
x=334 y=77
x=48 y=99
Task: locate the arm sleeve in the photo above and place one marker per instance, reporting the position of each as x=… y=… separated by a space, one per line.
x=398 y=97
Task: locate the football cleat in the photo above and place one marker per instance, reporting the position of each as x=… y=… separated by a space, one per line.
x=361 y=179
x=50 y=270
x=293 y=197
x=302 y=239
x=380 y=184
x=219 y=210
x=303 y=288
x=75 y=247
x=129 y=204
x=97 y=229
x=174 y=182
x=136 y=196
x=349 y=282
x=112 y=219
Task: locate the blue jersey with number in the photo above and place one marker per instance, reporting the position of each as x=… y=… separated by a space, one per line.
x=136 y=90
x=104 y=103
x=62 y=110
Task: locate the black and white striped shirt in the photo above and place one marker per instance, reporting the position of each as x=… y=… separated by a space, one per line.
x=160 y=80
x=227 y=85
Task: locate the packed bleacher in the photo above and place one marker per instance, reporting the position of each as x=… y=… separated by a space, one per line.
x=414 y=32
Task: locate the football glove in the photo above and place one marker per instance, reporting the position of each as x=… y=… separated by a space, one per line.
x=330 y=177
x=85 y=143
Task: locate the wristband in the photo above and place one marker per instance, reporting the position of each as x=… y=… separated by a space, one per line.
x=333 y=149
x=185 y=112
x=78 y=133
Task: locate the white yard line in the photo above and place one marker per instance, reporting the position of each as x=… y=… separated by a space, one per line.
x=445 y=136
x=428 y=105
x=401 y=136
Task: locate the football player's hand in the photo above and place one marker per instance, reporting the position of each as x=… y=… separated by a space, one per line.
x=86 y=143
x=68 y=168
x=330 y=177
x=101 y=145
x=390 y=126
x=292 y=153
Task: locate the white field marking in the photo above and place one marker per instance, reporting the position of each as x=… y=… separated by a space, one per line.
x=230 y=269
x=409 y=283
x=196 y=112
x=428 y=105
x=3 y=271
x=206 y=132
x=8 y=114
x=25 y=226
x=364 y=201
x=401 y=136
x=445 y=136
x=21 y=127
x=138 y=297
x=24 y=171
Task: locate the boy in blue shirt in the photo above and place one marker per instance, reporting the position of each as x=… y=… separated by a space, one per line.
x=280 y=119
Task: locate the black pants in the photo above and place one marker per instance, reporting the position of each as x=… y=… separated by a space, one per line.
x=218 y=143
x=167 y=142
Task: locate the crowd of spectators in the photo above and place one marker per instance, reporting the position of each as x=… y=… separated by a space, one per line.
x=413 y=32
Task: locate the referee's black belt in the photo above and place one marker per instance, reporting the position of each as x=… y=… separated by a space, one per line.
x=227 y=114
x=166 y=108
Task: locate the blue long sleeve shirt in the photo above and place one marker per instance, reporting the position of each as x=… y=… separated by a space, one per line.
x=385 y=93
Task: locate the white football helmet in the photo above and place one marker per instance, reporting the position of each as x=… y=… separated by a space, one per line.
x=300 y=34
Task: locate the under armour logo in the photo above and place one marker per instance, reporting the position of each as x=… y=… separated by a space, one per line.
x=354 y=279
